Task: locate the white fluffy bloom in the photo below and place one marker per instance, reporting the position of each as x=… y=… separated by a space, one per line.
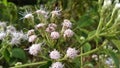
x=68 y=33
x=107 y=3
x=42 y=12
x=34 y=49
x=109 y=62
x=54 y=55
x=27 y=16
x=117 y=5
x=56 y=13
x=2 y=35
x=30 y=32
x=32 y=38
x=19 y=35
x=67 y=24
x=55 y=35
x=57 y=65
x=71 y=52
x=3 y=24
x=41 y=25
x=11 y=29
x=15 y=41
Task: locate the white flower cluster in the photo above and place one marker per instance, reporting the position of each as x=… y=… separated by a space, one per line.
x=55 y=35
x=54 y=54
x=57 y=65
x=34 y=49
x=71 y=53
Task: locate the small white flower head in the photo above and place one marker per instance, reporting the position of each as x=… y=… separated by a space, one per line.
x=109 y=61
x=15 y=41
x=28 y=16
x=32 y=38
x=41 y=25
x=71 y=52
x=94 y=56
x=11 y=29
x=67 y=24
x=117 y=6
x=107 y=3
x=19 y=35
x=3 y=24
x=54 y=54
x=68 y=33
x=57 y=65
x=30 y=32
x=50 y=29
x=55 y=13
x=35 y=49
x=52 y=25
x=55 y=35
x=2 y=35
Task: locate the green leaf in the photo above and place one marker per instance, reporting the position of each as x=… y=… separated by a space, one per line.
x=6 y=55
x=46 y=65
x=18 y=53
x=87 y=47
x=116 y=43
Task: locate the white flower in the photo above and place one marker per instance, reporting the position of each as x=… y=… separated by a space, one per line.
x=27 y=16
x=54 y=55
x=3 y=24
x=41 y=25
x=56 y=13
x=94 y=56
x=71 y=52
x=55 y=35
x=34 y=49
x=2 y=35
x=32 y=38
x=107 y=3
x=30 y=32
x=57 y=65
x=42 y=12
x=68 y=33
x=117 y=5
x=15 y=41
x=19 y=35
x=11 y=29
x=50 y=29
x=67 y=24
x=52 y=25
x=109 y=61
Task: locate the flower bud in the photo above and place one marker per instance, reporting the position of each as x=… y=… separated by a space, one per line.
x=30 y=32
x=67 y=24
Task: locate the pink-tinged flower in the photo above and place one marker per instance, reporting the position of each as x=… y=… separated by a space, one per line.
x=67 y=24
x=52 y=25
x=34 y=49
x=72 y=52
x=54 y=55
x=57 y=65
x=55 y=35
x=50 y=29
x=32 y=38
x=41 y=25
x=28 y=16
x=30 y=32
x=68 y=33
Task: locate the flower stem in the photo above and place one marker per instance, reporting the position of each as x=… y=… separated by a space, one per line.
x=30 y=64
